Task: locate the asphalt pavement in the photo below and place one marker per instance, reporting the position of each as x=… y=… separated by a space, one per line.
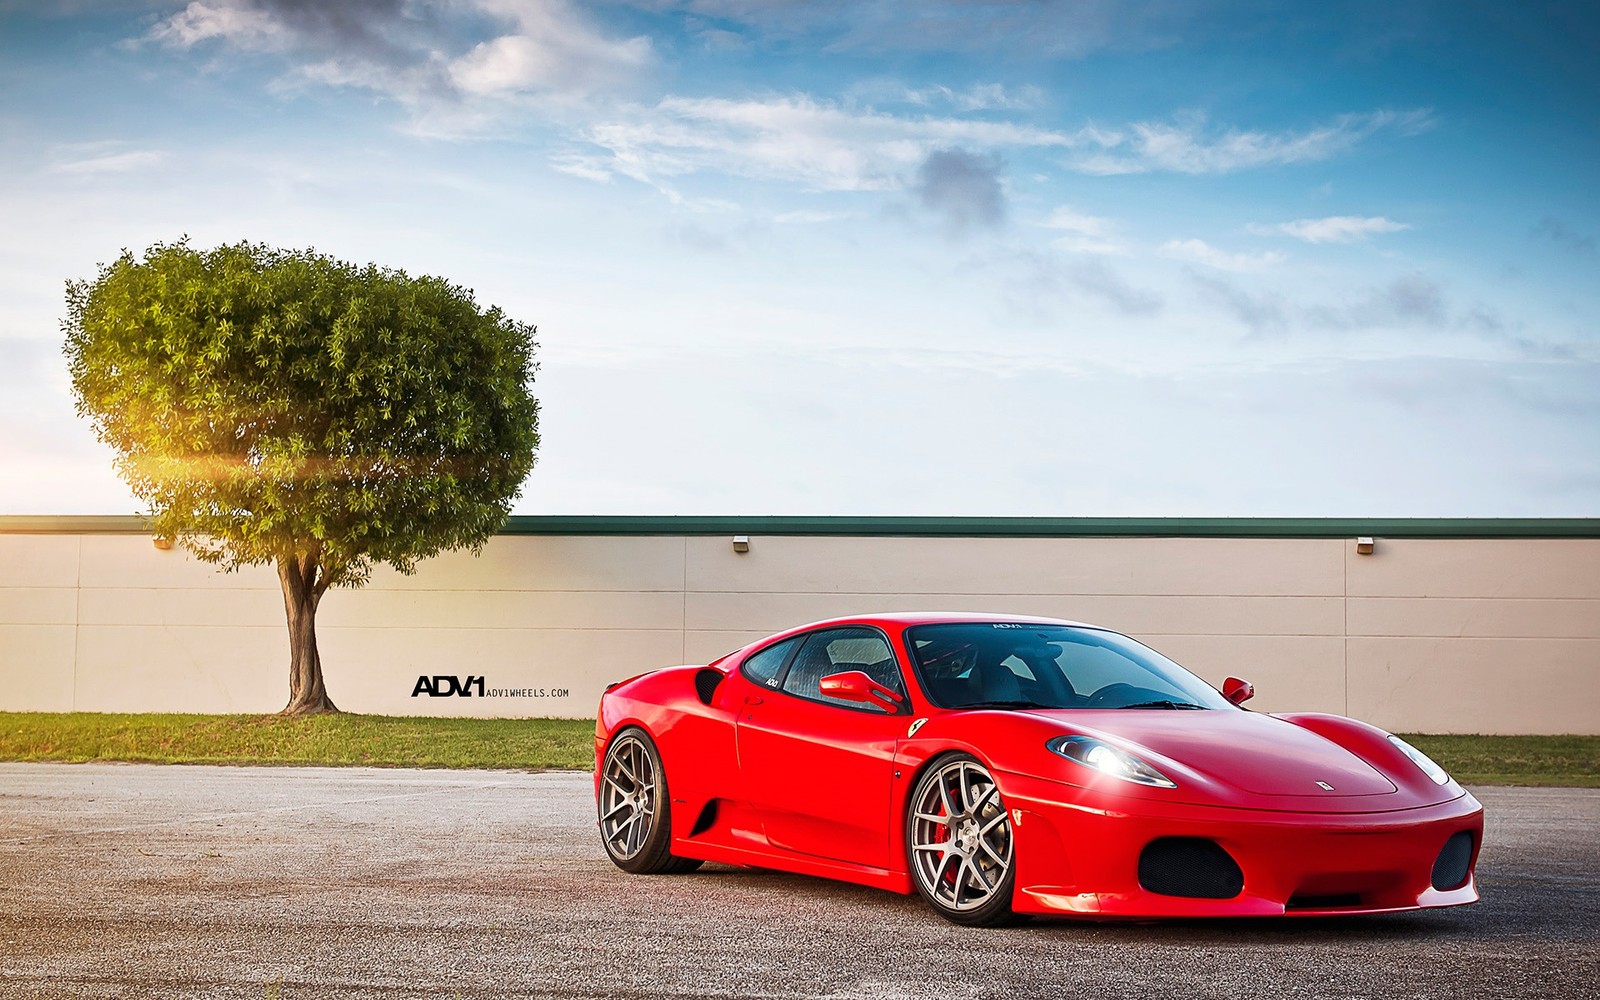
x=288 y=883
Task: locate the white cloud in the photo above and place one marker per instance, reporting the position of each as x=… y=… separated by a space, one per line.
x=1188 y=147
x=553 y=49
x=979 y=97
x=1333 y=229
x=812 y=217
x=241 y=24
x=1415 y=300
x=800 y=139
x=828 y=146
x=590 y=168
x=553 y=57
x=424 y=56
x=1200 y=252
x=1091 y=234
x=110 y=163
x=1040 y=282
x=1070 y=219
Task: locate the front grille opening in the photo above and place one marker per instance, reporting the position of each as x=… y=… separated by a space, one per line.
x=1331 y=902
x=1192 y=867
x=1450 y=870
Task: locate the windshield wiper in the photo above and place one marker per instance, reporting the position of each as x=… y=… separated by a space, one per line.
x=1007 y=704
x=1163 y=704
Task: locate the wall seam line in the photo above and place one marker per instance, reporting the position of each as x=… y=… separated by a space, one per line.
x=1344 y=643
x=77 y=623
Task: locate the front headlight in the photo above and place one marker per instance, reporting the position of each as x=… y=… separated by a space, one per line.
x=1422 y=760
x=1109 y=760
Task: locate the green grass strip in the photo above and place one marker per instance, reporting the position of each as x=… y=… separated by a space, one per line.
x=1564 y=761
x=537 y=744
x=323 y=740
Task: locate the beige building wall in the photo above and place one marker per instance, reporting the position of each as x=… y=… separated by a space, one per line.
x=1424 y=635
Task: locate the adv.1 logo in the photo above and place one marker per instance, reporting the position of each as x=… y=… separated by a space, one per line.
x=442 y=686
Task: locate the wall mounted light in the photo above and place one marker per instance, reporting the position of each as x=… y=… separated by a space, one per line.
x=741 y=543
x=161 y=542
x=1364 y=545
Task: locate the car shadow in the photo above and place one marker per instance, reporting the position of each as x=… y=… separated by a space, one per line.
x=1508 y=908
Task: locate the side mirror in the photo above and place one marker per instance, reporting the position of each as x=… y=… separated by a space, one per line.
x=855 y=685
x=1238 y=691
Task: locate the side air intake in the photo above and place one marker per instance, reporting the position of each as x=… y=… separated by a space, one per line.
x=705 y=683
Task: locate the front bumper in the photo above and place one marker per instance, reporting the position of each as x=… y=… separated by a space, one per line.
x=1078 y=854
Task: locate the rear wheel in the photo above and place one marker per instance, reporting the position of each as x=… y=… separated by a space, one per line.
x=958 y=839
x=635 y=811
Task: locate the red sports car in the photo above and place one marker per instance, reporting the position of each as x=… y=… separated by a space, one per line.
x=1003 y=765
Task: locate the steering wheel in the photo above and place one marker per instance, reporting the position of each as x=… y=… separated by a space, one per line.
x=1111 y=692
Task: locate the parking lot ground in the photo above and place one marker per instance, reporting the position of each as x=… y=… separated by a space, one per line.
x=151 y=881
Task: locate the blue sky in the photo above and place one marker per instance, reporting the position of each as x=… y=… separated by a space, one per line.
x=938 y=257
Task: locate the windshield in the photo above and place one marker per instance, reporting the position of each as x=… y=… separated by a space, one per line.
x=1007 y=665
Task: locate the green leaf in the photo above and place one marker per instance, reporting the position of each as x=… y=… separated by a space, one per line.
x=268 y=402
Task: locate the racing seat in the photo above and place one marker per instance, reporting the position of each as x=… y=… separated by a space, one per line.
x=995 y=682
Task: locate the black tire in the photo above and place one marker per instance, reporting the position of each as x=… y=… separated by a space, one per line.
x=959 y=844
x=634 y=809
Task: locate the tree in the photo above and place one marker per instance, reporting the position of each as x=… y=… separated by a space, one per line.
x=282 y=407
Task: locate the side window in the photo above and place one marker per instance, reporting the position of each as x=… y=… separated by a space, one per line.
x=836 y=651
x=763 y=665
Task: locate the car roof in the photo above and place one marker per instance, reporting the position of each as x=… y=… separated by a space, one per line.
x=907 y=618
x=899 y=621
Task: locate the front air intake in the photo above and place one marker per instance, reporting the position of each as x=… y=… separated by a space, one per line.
x=1450 y=870
x=1191 y=867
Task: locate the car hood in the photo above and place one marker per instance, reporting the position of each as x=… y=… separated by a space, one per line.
x=1247 y=751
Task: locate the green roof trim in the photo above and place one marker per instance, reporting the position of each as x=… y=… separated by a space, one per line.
x=1063 y=527
x=950 y=527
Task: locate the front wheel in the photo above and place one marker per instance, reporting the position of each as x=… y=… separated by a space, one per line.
x=958 y=839
x=635 y=812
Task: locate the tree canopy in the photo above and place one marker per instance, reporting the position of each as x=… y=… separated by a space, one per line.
x=283 y=407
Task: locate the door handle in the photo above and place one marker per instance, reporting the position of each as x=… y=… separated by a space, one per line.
x=752 y=700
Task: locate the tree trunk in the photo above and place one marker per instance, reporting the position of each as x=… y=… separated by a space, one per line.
x=302 y=592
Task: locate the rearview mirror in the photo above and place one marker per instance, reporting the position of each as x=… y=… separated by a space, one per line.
x=1238 y=691
x=855 y=685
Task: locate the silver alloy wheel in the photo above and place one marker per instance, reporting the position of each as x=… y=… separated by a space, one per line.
x=627 y=798
x=960 y=836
